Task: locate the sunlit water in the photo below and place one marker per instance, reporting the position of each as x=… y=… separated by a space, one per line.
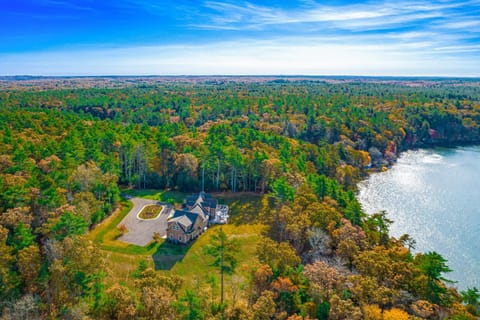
x=434 y=196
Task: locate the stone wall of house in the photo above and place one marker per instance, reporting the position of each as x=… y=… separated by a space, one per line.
x=176 y=235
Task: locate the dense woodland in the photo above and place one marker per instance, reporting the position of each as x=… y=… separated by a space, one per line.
x=67 y=151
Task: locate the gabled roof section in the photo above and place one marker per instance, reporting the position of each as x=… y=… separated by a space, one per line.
x=203 y=199
x=185 y=219
x=200 y=210
x=191 y=199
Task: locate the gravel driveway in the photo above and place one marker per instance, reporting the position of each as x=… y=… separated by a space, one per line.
x=140 y=232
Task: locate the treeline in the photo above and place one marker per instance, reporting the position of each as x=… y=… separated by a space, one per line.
x=230 y=130
x=64 y=154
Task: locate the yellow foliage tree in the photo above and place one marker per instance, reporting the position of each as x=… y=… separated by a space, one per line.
x=395 y=314
x=372 y=312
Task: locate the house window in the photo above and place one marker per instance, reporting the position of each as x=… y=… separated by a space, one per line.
x=179 y=238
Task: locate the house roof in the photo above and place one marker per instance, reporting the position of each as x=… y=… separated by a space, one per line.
x=203 y=199
x=185 y=219
x=200 y=205
x=200 y=210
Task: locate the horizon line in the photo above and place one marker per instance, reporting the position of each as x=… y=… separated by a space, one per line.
x=31 y=76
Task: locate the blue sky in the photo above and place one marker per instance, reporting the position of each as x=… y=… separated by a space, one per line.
x=140 y=37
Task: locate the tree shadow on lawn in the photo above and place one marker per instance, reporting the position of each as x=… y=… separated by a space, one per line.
x=168 y=254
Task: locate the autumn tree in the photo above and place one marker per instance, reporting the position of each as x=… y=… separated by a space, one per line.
x=395 y=314
x=264 y=307
x=119 y=303
x=279 y=256
x=29 y=263
x=324 y=280
x=8 y=277
x=348 y=240
x=158 y=303
x=261 y=279
x=343 y=309
x=372 y=312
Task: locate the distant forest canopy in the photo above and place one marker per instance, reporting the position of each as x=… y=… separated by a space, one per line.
x=68 y=146
x=238 y=136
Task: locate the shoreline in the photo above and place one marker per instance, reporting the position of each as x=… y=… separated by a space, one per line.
x=435 y=217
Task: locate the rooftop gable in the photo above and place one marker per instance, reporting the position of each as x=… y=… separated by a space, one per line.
x=203 y=199
x=185 y=219
x=200 y=210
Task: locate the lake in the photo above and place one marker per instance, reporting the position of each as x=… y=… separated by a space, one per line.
x=434 y=196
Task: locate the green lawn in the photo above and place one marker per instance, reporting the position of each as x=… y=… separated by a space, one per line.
x=106 y=233
x=99 y=232
x=244 y=207
x=187 y=261
x=161 y=195
x=191 y=263
x=121 y=258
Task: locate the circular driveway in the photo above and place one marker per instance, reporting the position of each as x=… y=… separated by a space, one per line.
x=140 y=231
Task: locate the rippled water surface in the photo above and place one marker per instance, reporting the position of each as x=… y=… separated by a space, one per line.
x=434 y=196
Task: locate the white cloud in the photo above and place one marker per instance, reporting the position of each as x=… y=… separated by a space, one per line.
x=228 y=15
x=307 y=56
x=387 y=38
x=462 y=24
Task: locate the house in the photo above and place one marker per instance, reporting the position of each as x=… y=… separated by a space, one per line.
x=198 y=212
x=204 y=200
x=185 y=226
x=217 y=213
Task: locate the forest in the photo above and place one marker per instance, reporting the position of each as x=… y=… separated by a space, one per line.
x=70 y=149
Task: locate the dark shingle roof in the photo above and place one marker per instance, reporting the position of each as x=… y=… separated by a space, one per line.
x=205 y=199
x=199 y=209
x=185 y=219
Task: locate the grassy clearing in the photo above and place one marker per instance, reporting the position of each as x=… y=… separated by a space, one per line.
x=110 y=224
x=188 y=261
x=150 y=212
x=121 y=258
x=161 y=195
x=120 y=267
x=106 y=233
x=244 y=207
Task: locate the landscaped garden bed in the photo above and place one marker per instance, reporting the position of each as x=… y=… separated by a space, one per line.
x=150 y=212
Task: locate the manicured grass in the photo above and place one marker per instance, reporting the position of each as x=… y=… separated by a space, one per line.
x=244 y=207
x=121 y=247
x=109 y=224
x=161 y=195
x=106 y=233
x=120 y=267
x=187 y=261
x=121 y=258
x=150 y=212
x=194 y=263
